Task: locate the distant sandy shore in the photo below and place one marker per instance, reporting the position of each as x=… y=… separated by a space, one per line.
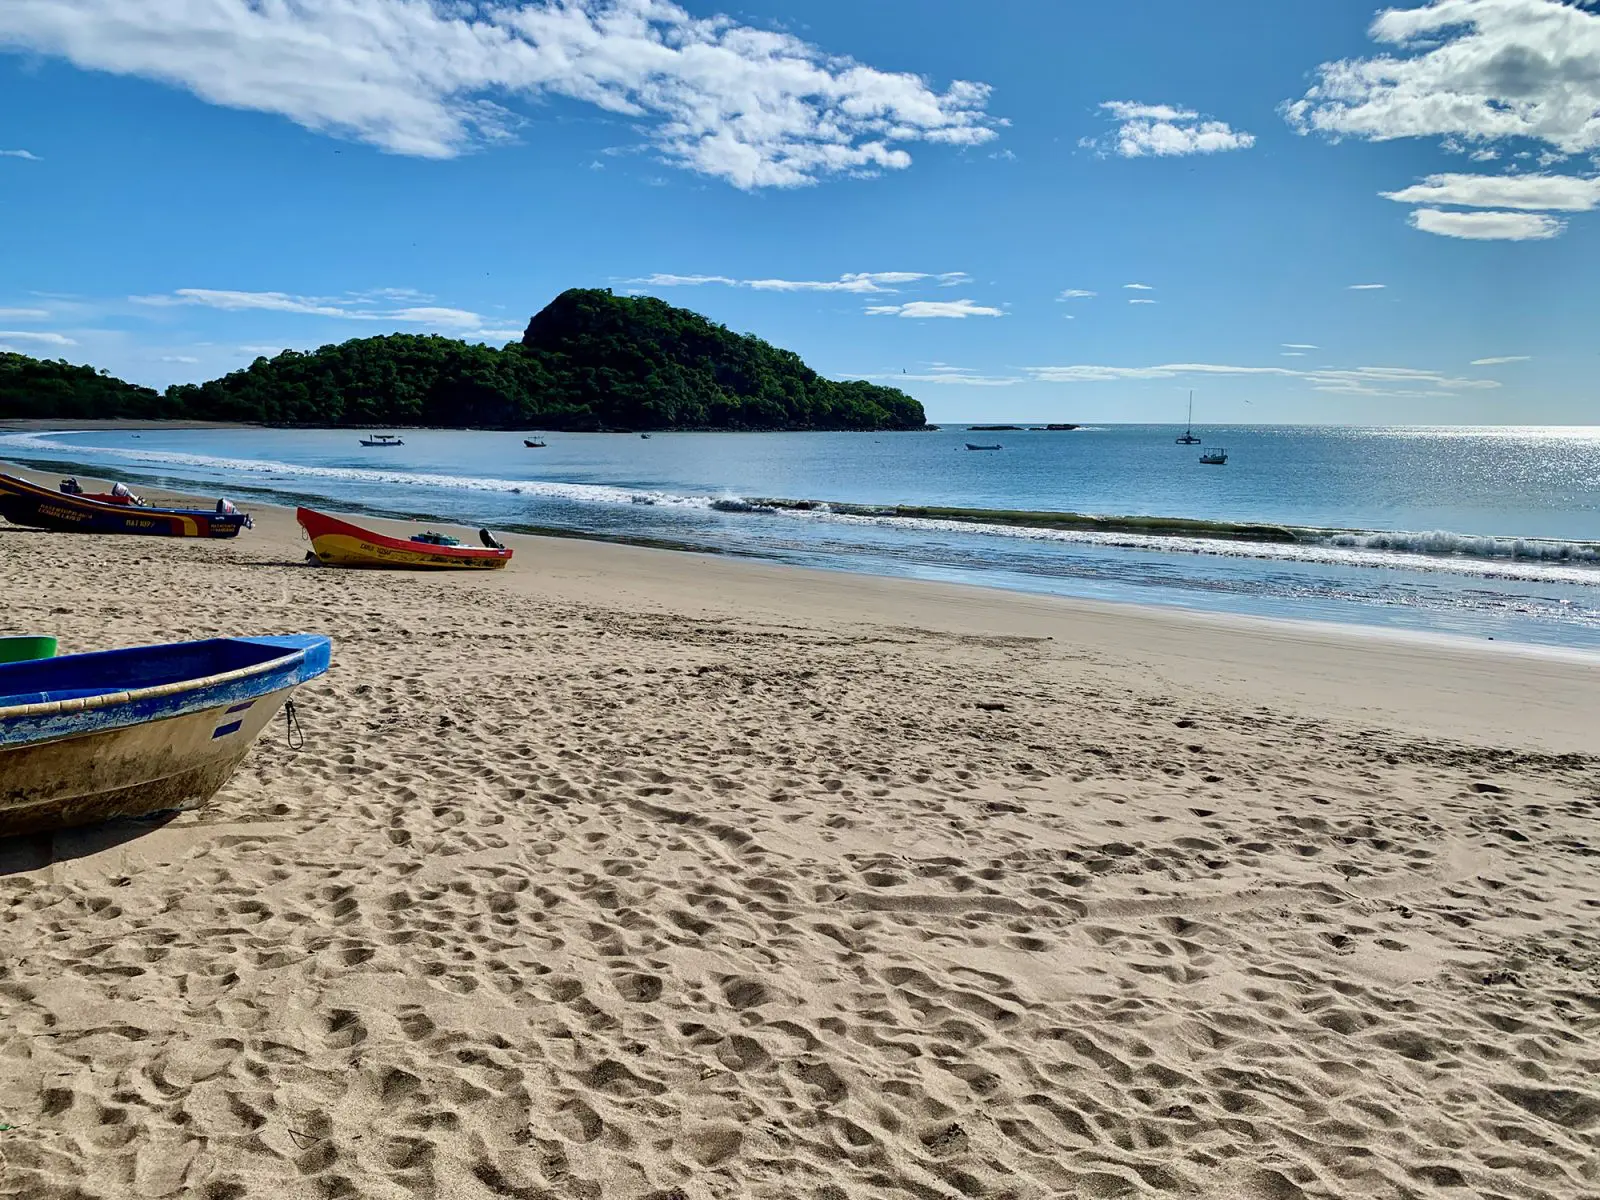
x=634 y=873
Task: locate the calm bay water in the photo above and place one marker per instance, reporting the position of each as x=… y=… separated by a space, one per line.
x=1476 y=531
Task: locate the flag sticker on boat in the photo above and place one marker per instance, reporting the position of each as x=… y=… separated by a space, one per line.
x=225 y=730
x=241 y=707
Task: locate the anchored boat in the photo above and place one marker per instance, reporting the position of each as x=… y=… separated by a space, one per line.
x=24 y=503
x=383 y=439
x=1217 y=457
x=126 y=733
x=338 y=543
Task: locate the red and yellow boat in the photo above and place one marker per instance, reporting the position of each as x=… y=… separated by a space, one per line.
x=338 y=543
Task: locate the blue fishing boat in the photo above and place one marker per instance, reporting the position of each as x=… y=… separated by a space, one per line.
x=126 y=733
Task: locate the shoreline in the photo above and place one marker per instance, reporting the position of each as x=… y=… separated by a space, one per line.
x=1201 y=648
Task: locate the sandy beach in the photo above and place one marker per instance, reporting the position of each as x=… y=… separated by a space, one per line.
x=626 y=873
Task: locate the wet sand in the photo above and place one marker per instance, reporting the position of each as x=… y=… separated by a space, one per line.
x=630 y=873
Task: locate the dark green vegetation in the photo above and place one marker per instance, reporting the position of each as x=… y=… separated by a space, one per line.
x=589 y=360
x=36 y=387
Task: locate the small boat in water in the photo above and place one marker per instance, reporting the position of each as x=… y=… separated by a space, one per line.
x=127 y=733
x=1188 y=438
x=337 y=543
x=533 y=443
x=383 y=439
x=970 y=446
x=24 y=503
x=1214 y=458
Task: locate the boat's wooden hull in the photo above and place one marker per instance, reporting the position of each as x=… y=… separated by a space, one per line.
x=24 y=503
x=125 y=733
x=178 y=763
x=338 y=543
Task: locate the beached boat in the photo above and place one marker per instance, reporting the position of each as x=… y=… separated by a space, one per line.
x=1214 y=458
x=970 y=446
x=24 y=503
x=126 y=733
x=338 y=543
x=383 y=439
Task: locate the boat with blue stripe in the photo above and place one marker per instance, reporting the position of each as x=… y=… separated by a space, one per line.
x=147 y=729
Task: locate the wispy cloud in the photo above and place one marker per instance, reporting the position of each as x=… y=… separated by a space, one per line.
x=1076 y=294
x=24 y=314
x=179 y=358
x=1488 y=226
x=1355 y=381
x=935 y=308
x=1498 y=359
x=754 y=107
x=857 y=282
x=1298 y=346
x=353 y=307
x=1141 y=300
x=1367 y=287
x=939 y=373
x=1163 y=130
x=26 y=154
x=1139 y=287
x=1568 y=193
x=44 y=338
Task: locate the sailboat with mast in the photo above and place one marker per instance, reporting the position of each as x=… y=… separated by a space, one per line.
x=1188 y=438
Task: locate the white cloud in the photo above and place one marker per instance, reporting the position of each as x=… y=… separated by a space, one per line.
x=1137 y=300
x=178 y=358
x=44 y=338
x=858 y=282
x=1367 y=287
x=1292 y=354
x=23 y=314
x=1569 y=193
x=497 y=336
x=1139 y=287
x=1160 y=130
x=269 y=351
x=934 y=308
x=27 y=154
x=1075 y=294
x=354 y=307
x=1477 y=71
x=1358 y=381
x=938 y=373
x=1503 y=358
x=757 y=108
x=1298 y=346
x=1487 y=226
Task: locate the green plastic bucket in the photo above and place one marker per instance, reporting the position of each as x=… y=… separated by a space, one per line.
x=21 y=649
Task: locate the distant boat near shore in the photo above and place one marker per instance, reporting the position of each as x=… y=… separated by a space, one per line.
x=383 y=439
x=971 y=446
x=533 y=443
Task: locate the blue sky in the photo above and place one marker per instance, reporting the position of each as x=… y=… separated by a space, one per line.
x=912 y=192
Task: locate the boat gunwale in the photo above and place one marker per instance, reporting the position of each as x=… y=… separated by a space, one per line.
x=107 y=506
x=160 y=691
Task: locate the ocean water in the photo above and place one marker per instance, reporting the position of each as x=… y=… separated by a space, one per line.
x=1483 y=532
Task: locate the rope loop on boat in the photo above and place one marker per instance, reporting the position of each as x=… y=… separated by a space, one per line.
x=293 y=734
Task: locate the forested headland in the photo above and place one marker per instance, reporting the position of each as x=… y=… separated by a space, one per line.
x=588 y=361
